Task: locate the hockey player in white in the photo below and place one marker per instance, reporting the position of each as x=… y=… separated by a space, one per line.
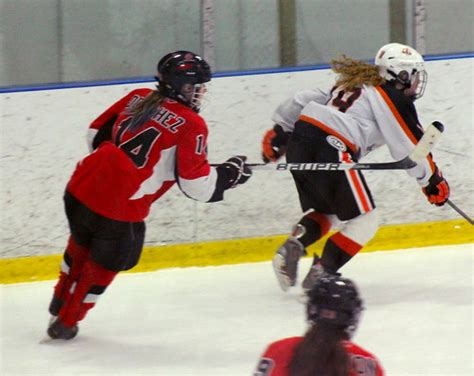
x=369 y=106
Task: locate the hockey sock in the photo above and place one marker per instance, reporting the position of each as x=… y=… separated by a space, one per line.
x=73 y=259
x=338 y=250
x=344 y=245
x=91 y=283
x=313 y=227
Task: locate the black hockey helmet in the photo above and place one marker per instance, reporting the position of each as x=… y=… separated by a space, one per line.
x=180 y=75
x=335 y=300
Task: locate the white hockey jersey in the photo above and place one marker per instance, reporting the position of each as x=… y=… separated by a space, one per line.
x=365 y=119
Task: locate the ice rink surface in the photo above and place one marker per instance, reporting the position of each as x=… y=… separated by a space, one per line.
x=217 y=320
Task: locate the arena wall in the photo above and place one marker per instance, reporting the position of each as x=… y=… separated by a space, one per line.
x=43 y=137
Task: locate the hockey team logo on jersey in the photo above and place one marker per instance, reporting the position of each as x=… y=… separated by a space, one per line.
x=336 y=143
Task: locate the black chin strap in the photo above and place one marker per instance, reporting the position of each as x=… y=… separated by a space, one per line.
x=397 y=78
x=168 y=91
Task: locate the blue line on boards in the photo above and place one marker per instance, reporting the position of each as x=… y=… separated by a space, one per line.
x=145 y=79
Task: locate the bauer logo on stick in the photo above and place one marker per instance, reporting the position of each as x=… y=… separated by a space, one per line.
x=308 y=166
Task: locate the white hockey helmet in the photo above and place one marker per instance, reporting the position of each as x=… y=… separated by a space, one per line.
x=402 y=63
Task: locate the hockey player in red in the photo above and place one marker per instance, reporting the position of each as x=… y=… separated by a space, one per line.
x=369 y=106
x=333 y=310
x=141 y=146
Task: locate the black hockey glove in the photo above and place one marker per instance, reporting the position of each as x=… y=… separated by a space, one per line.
x=234 y=172
x=274 y=144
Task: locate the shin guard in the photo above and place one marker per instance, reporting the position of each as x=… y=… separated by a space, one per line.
x=92 y=282
x=71 y=265
x=337 y=251
x=345 y=244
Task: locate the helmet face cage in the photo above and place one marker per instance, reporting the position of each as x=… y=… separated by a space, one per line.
x=193 y=95
x=417 y=84
x=181 y=76
x=335 y=300
x=403 y=64
x=197 y=98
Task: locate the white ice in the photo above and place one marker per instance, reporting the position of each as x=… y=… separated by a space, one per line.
x=217 y=320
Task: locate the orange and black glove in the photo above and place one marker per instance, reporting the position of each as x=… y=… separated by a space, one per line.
x=437 y=190
x=274 y=144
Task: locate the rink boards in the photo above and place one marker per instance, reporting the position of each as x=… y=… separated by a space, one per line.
x=235 y=251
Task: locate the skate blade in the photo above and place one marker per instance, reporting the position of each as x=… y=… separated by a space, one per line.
x=45 y=339
x=302 y=297
x=51 y=320
x=283 y=280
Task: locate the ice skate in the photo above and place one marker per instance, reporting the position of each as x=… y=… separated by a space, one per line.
x=316 y=272
x=57 y=330
x=55 y=306
x=285 y=262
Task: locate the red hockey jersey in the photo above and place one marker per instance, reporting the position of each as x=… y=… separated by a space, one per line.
x=131 y=169
x=276 y=359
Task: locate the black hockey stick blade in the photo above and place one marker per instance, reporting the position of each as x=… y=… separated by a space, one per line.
x=460 y=212
x=423 y=147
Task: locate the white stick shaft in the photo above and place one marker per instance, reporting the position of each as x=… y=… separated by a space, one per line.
x=426 y=144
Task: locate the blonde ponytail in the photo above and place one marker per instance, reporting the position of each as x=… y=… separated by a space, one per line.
x=354 y=73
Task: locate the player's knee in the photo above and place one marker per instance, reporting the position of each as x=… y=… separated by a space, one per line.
x=311 y=228
x=362 y=228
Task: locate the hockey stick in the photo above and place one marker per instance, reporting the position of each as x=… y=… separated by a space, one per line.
x=422 y=148
x=460 y=212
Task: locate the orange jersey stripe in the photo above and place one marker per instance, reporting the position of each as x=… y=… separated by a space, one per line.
x=348 y=245
x=397 y=115
x=328 y=130
x=402 y=123
x=354 y=176
x=431 y=162
x=360 y=190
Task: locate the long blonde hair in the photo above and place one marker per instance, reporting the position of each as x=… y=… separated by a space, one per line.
x=355 y=73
